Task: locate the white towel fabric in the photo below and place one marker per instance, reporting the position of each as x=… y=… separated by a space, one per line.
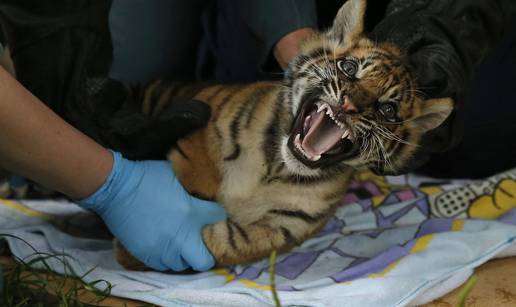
x=395 y=241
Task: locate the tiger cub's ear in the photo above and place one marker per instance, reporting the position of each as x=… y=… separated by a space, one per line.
x=432 y=114
x=349 y=22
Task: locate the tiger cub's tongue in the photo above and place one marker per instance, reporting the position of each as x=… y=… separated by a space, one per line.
x=322 y=135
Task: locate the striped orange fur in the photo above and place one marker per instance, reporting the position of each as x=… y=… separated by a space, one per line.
x=279 y=155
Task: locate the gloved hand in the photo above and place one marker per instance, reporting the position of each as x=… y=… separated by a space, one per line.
x=443 y=41
x=148 y=210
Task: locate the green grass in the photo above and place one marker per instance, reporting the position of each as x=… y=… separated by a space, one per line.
x=466 y=290
x=272 y=276
x=23 y=285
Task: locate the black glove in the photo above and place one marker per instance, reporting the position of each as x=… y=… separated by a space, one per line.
x=126 y=129
x=444 y=40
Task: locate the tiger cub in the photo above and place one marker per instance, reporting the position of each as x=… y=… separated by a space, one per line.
x=279 y=155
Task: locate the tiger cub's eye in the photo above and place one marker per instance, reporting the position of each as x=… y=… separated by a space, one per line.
x=348 y=67
x=388 y=110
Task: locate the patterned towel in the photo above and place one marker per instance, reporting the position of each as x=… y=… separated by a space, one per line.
x=395 y=241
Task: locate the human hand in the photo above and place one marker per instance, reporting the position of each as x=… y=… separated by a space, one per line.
x=431 y=50
x=288 y=46
x=148 y=210
x=433 y=56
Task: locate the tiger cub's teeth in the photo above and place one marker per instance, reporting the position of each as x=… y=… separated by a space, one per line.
x=347 y=134
x=324 y=106
x=297 y=142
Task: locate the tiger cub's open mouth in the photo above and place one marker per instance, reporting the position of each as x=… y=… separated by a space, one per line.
x=320 y=135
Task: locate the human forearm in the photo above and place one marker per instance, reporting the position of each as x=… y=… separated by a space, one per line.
x=38 y=144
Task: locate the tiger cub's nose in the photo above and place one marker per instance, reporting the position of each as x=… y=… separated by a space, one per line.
x=348 y=106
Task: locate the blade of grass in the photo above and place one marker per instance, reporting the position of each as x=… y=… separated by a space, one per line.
x=466 y=290
x=272 y=276
x=27 y=286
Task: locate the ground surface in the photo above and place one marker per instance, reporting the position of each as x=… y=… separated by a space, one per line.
x=496 y=286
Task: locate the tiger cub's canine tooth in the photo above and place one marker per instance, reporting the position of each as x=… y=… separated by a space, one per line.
x=346 y=134
x=321 y=106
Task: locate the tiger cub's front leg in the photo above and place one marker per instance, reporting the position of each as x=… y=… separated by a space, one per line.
x=231 y=243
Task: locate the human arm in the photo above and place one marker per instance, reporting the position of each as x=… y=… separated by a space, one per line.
x=142 y=203
x=35 y=143
x=288 y=46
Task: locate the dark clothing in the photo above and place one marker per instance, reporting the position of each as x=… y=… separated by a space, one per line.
x=155 y=39
x=50 y=43
x=488 y=142
x=201 y=40
x=445 y=41
x=62 y=53
x=239 y=37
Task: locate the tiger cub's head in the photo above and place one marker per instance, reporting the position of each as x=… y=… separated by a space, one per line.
x=354 y=102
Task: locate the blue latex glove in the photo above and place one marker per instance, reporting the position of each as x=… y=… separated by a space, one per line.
x=157 y=221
